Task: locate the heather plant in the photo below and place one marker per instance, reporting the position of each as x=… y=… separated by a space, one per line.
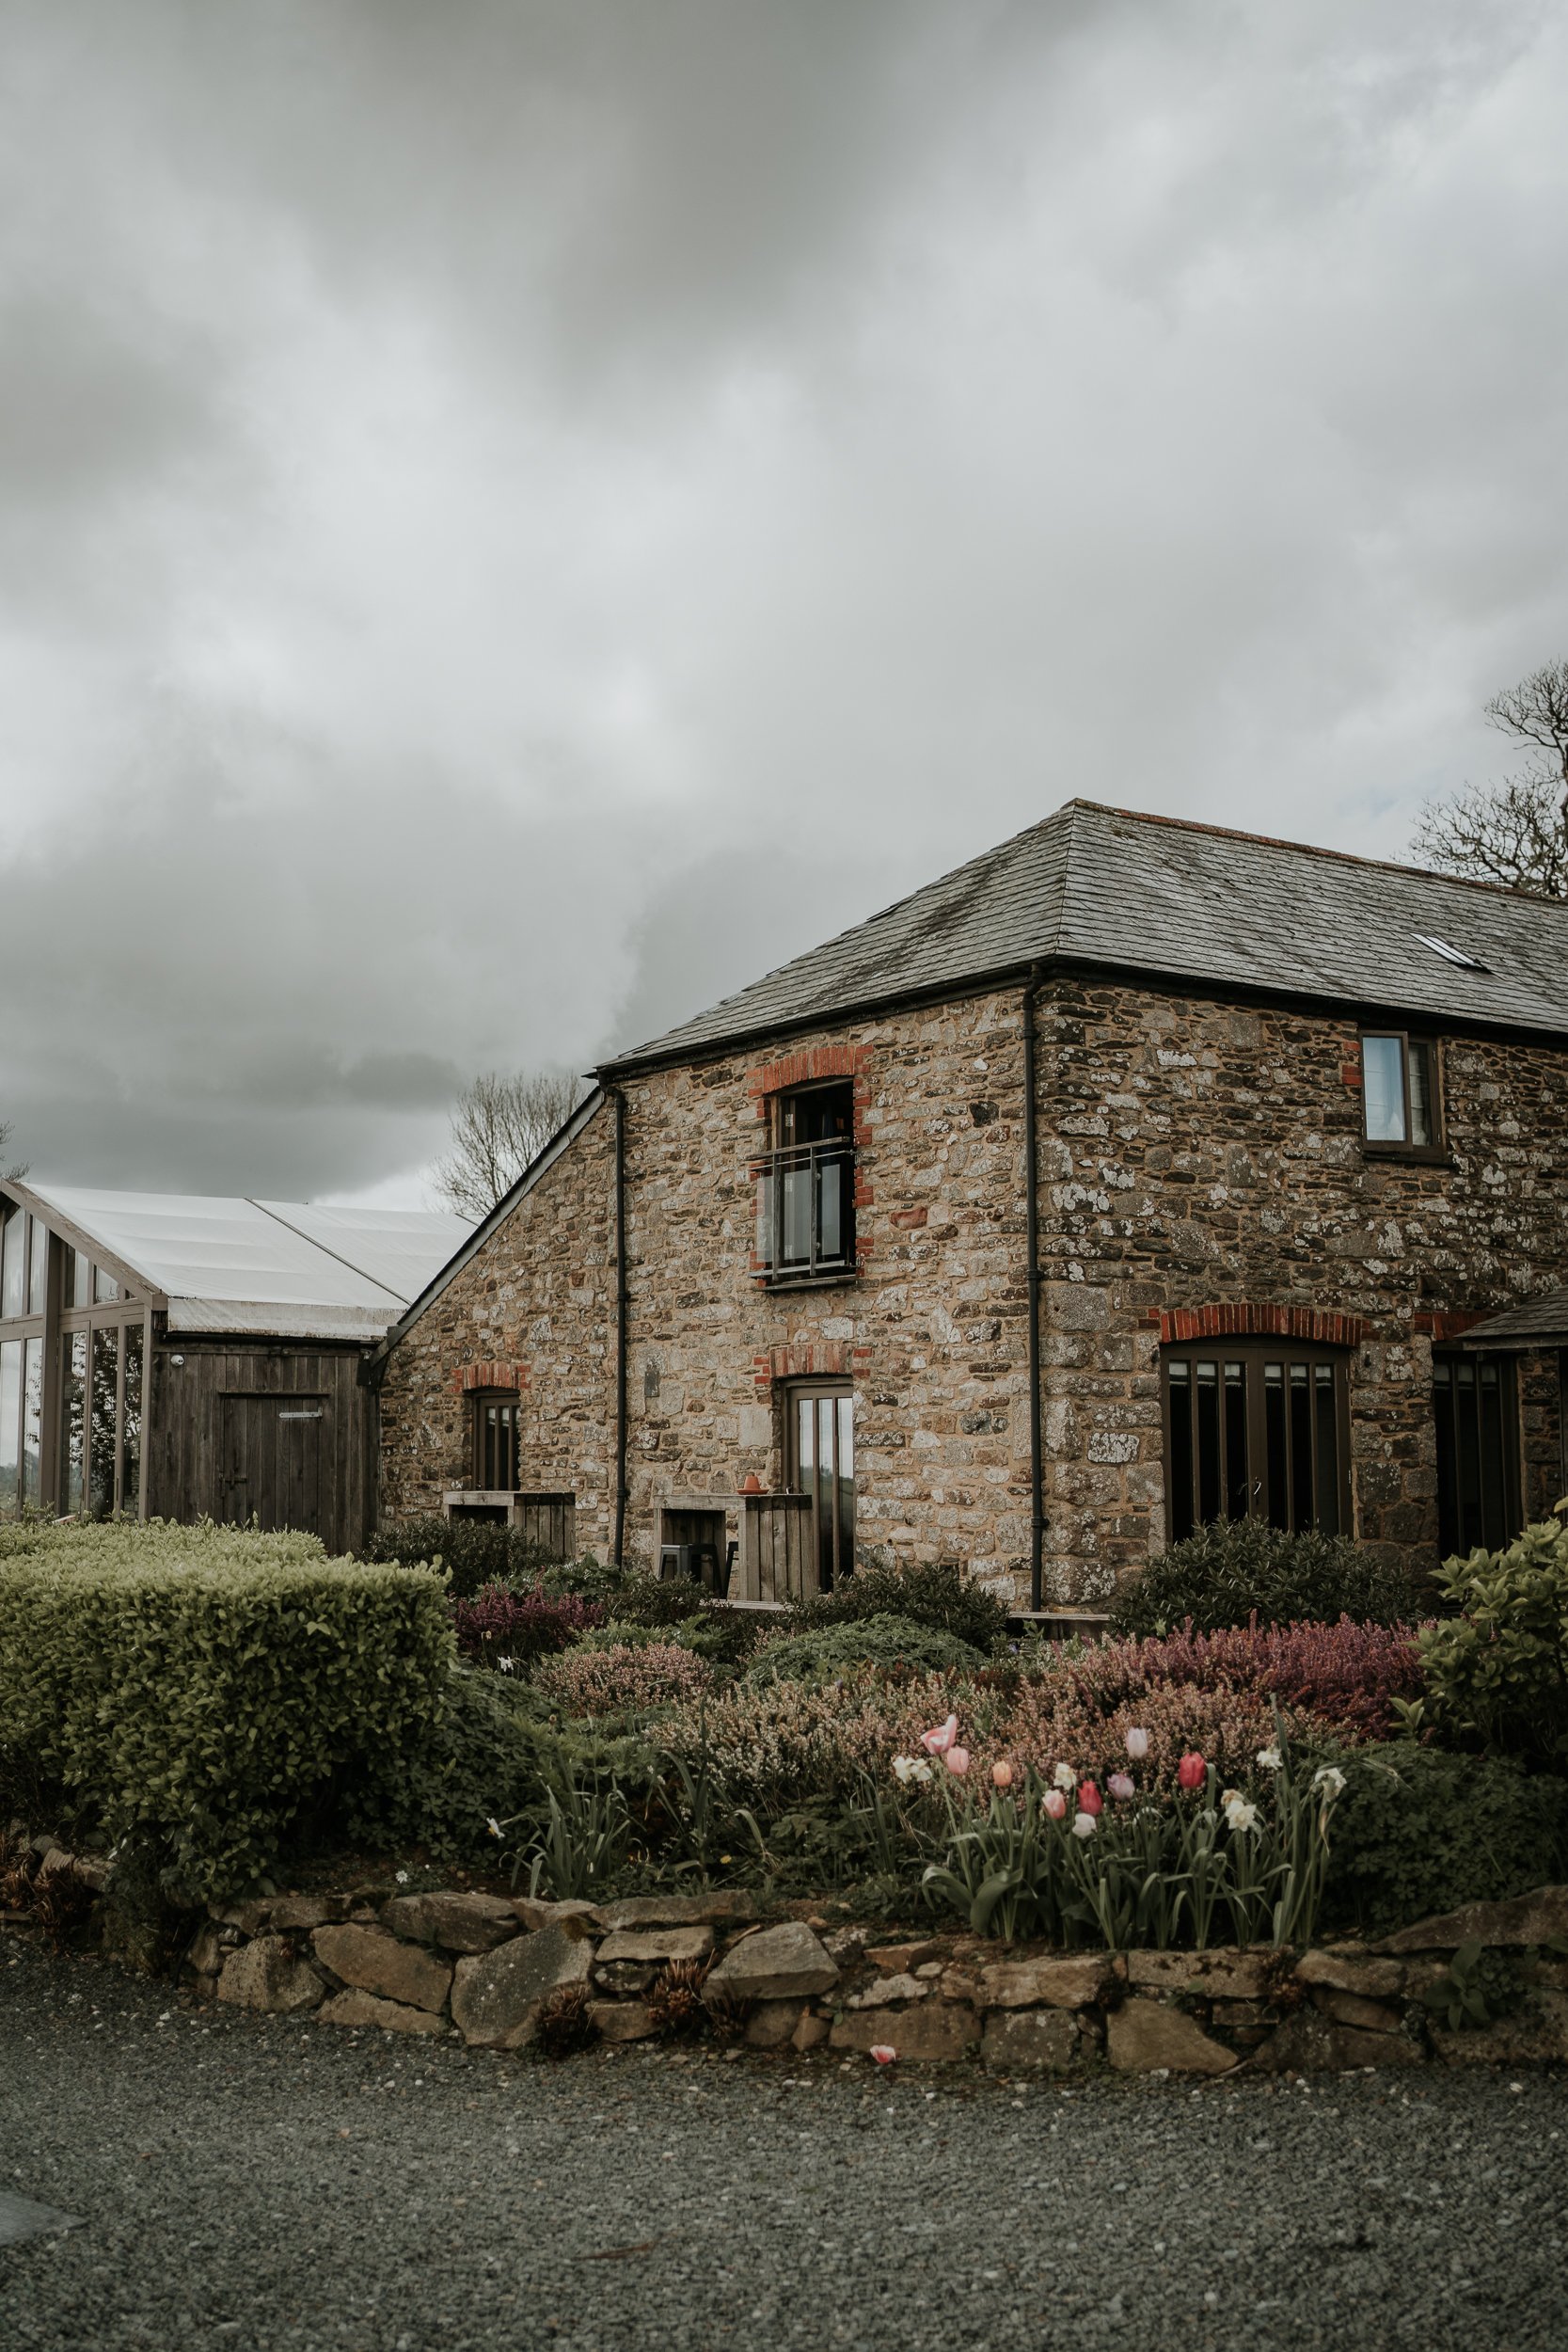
x=1052 y=1721
x=1497 y=1672
x=630 y=1679
x=508 y=1629
x=1352 y=1674
x=771 y=1746
x=1234 y=1571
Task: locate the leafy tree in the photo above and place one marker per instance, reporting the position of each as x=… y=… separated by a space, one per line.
x=1517 y=832
x=498 y=1128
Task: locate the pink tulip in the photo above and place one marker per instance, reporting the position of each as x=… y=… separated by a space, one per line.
x=1119 y=1786
x=1055 y=1804
x=883 y=2052
x=1137 y=1745
x=1089 y=1799
x=937 y=1743
x=1192 y=1771
x=1002 y=1775
x=957 y=1761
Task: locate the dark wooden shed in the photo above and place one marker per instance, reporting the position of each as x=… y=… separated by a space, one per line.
x=180 y=1357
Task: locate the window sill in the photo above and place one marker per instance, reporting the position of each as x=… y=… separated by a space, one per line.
x=1416 y=1154
x=839 y=1279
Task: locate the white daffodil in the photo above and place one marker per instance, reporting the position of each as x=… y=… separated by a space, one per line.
x=1270 y=1760
x=1239 y=1814
x=904 y=1769
x=493 y=1825
x=506 y=1665
x=1329 y=1779
x=1064 y=1777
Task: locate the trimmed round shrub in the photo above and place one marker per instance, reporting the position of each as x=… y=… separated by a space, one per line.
x=627 y=1679
x=1237 y=1569
x=473 y=1553
x=827 y=1653
x=939 y=1596
x=1421 y=1831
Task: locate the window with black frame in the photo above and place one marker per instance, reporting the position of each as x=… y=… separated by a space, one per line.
x=495 y=1435
x=1400 y=1106
x=1474 y=1404
x=806 y=1185
x=1257 y=1429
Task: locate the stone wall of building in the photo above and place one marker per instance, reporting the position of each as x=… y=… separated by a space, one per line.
x=1198 y=1159
x=932 y=1332
x=1196 y=1155
x=534 y=1308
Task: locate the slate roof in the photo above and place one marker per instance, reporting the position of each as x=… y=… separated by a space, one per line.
x=281 y=1268
x=1102 y=886
x=1542 y=1321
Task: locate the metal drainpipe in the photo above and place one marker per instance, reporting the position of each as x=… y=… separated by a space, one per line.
x=621 y=1297
x=1032 y=1233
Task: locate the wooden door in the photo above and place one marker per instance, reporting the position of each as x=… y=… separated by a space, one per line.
x=271 y=1453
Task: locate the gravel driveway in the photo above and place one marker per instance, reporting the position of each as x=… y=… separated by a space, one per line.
x=250 y=2182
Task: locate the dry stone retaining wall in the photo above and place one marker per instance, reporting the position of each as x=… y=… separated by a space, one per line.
x=487 y=1967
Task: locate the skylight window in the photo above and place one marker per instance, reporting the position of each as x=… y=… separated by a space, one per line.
x=1452 y=955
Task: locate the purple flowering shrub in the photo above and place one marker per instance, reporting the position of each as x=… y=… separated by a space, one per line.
x=1347 y=1675
x=502 y=1624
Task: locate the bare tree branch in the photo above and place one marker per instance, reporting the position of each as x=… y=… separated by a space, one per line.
x=15 y=1173
x=498 y=1128
x=1517 y=832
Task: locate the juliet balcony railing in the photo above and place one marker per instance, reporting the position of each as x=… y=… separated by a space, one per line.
x=806 y=1212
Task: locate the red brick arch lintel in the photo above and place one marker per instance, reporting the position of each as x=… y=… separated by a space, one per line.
x=1320 y=1327
x=466 y=1378
x=806 y=1068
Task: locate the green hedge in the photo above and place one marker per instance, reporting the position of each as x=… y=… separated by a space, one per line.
x=1238 y=1569
x=209 y=1687
x=1420 y=1831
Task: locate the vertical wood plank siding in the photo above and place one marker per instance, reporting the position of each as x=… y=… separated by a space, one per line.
x=185 y=1430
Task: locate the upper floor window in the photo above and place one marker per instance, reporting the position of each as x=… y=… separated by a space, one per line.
x=806 y=1186
x=1400 y=1105
x=494 y=1436
x=1257 y=1429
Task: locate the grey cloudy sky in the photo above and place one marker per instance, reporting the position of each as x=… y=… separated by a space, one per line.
x=515 y=515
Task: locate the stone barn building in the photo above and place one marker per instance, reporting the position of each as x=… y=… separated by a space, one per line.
x=1136 y=1174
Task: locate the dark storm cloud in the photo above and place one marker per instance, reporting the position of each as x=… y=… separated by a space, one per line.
x=516 y=515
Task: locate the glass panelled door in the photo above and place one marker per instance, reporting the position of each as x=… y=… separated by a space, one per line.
x=823 y=1467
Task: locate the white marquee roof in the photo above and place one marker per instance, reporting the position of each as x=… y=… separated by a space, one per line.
x=280 y=1267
